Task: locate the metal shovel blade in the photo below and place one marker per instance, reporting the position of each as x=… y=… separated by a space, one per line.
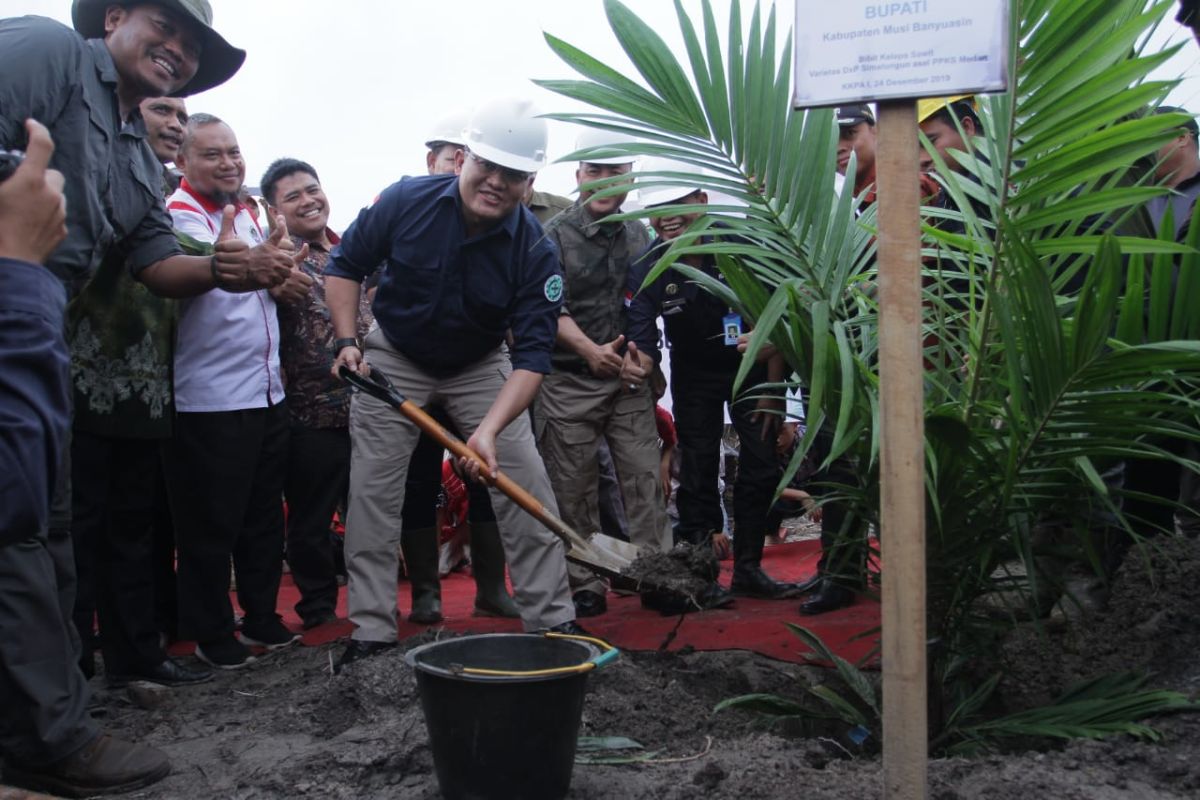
x=618 y=551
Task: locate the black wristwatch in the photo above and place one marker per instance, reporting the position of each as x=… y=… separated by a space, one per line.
x=341 y=344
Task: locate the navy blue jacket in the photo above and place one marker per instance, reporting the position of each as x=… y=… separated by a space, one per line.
x=445 y=300
x=34 y=395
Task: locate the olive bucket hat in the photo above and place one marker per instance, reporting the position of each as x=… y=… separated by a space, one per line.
x=219 y=60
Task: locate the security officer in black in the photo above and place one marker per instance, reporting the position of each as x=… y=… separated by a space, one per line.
x=703 y=334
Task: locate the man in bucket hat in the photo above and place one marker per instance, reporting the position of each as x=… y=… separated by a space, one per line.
x=87 y=90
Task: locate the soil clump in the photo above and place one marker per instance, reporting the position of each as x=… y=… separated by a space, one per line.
x=681 y=579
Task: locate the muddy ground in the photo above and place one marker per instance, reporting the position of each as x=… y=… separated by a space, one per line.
x=287 y=728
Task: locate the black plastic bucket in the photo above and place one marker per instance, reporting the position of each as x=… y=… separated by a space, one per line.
x=497 y=735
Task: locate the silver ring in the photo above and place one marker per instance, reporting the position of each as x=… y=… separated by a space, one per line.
x=633 y=387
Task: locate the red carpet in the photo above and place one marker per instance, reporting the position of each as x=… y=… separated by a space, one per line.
x=757 y=625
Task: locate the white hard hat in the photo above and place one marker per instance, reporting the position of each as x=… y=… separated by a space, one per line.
x=654 y=191
x=599 y=137
x=449 y=129
x=508 y=132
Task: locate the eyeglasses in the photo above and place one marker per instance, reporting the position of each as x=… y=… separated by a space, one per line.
x=508 y=174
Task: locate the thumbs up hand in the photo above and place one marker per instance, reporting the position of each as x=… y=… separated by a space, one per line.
x=635 y=368
x=231 y=269
x=227 y=233
x=238 y=267
x=279 y=233
x=294 y=290
x=284 y=241
x=32 y=206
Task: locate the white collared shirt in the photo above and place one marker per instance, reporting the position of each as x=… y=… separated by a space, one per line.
x=227 y=345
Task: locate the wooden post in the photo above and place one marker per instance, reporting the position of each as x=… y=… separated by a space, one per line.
x=902 y=441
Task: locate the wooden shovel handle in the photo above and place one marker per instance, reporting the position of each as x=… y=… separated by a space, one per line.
x=380 y=387
x=513 y=490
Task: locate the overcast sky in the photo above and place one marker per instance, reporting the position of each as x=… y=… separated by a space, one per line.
x=353 y=86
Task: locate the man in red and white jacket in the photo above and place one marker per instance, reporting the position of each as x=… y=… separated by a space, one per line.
x=226 y=463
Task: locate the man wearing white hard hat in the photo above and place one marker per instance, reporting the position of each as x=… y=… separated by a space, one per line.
x=464 y=261
x=444 y=143
x=703 y=333
x=583 y=401
x=419 y=538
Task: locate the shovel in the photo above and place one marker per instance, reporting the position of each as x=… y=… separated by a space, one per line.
x=605 y=555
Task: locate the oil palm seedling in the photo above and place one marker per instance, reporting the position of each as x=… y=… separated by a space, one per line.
x=1060 y=337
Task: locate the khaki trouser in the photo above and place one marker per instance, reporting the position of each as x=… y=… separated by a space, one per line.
x=573 y=411
x=382 y=440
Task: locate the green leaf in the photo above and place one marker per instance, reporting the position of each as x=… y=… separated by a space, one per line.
x=854 y=678
x=769 y=704
x=593 y=743
x=841 y=707
x=653 y=59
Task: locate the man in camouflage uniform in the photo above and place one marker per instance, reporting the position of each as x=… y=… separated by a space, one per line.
x=583 y=399
x=544 y=205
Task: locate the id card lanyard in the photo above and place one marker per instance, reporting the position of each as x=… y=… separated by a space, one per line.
x=732 y=323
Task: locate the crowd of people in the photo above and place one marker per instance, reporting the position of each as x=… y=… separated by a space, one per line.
x=172 y=405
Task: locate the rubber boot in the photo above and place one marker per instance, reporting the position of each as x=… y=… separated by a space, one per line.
x=487 y=562
x=420 y=548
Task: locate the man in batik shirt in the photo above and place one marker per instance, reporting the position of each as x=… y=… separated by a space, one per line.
x=318 y=471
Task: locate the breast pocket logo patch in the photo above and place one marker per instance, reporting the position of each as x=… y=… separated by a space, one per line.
x=553 y=288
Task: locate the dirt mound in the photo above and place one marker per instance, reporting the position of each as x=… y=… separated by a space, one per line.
x=1150 y=625
x=287 y=728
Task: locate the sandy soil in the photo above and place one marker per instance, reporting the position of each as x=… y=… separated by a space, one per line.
x=288 y=728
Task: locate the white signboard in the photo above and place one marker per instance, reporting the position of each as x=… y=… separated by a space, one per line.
x=849 y=51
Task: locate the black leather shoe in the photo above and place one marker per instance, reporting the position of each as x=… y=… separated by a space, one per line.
x=168 y=673
x=756 y=583
x=589 y=604
x=830 y=597
x=569 y=628
x=358 y=650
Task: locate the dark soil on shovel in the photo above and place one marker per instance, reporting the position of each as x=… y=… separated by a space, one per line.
x=287 y=728
x=681 y=579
